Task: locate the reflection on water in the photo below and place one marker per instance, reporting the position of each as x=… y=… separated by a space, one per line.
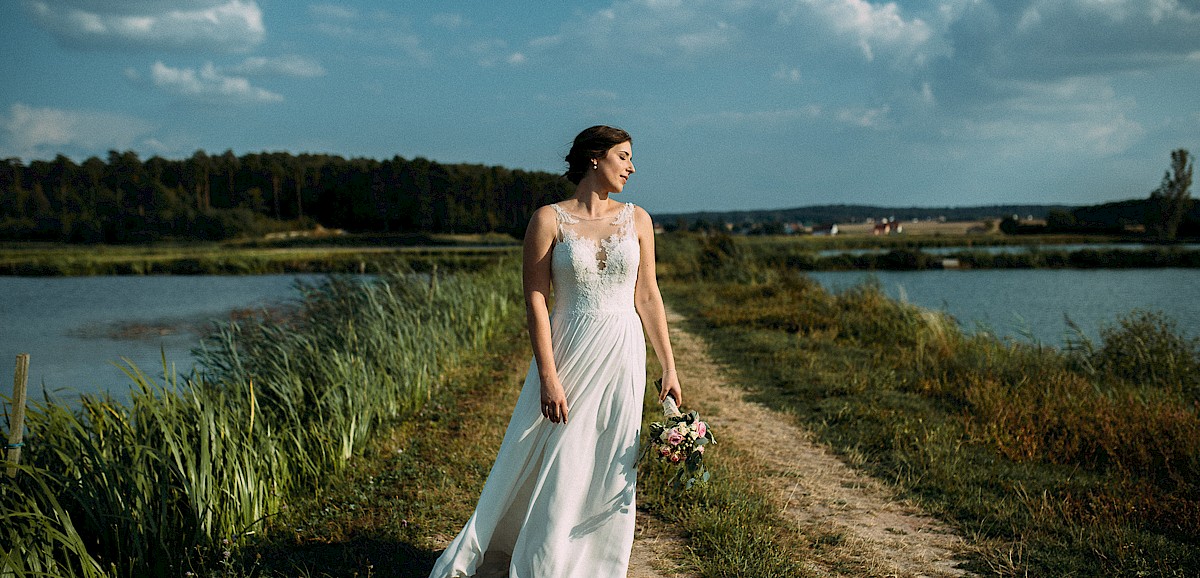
x=76 y=329
x=79 y=330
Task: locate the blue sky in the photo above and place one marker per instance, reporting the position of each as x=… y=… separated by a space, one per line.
x=733 y=104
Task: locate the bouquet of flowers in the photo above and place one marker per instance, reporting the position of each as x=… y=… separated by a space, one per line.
x=680 y=441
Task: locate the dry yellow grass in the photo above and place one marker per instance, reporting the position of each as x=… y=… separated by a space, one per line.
x=923 y=228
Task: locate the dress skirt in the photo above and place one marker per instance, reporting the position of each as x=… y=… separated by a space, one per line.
x=559 y=501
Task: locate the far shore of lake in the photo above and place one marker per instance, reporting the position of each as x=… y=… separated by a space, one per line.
x=373 y=254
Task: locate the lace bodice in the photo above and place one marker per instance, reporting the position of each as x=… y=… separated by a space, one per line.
x=594 y=263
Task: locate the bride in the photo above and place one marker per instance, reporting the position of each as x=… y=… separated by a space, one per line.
x=559 y=501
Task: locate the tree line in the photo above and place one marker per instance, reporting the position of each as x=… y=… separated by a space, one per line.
x=124 y=199
x=1167 y=214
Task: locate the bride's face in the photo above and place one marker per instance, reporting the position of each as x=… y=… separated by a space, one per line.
x=614 y=168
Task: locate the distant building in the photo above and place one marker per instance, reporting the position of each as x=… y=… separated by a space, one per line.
x=794 y=229
x=825 y=230
x=887 y=227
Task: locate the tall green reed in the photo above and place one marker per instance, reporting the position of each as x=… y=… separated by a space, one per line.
x=37 y=536
x=273 y=409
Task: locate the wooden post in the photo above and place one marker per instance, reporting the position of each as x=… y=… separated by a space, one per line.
x=17 y=422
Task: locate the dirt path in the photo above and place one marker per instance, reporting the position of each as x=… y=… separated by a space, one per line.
x=814 y=489
x=657 y=548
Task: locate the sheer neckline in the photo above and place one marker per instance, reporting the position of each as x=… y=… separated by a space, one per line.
x=616 y=214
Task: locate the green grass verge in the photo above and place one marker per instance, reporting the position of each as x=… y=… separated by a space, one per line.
x=418 y=483
x=415 y=484
x=269 y=467
x=1054 y=463
x=731 y=528
x=720 y=256
x=215 y=259
x=187 y=471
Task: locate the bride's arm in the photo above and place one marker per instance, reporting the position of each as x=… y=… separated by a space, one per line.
x=535 y=278
x=649 y=304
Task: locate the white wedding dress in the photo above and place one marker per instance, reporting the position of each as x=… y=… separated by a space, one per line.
x=559 y=501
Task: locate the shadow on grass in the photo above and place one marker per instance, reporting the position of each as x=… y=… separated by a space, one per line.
x=359 y=557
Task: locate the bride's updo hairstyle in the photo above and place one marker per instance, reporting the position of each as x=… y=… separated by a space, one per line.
x=589 y=145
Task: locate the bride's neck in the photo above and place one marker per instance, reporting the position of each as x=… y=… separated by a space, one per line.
x=593 y=204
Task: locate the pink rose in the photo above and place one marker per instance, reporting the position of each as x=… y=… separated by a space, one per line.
x=674 y=438
x=701 y=429
x=664 y=451
x=675 y=458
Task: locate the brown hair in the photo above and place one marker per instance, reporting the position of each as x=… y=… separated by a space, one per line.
x=589 y=145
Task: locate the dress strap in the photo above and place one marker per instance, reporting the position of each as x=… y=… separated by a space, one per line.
x=561 y=218
x=564 y=218
x=625 y=215
x=624 y=219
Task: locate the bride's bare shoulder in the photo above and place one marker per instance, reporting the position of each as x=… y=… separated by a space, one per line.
x=543 y=221
x=544 y=214
x=641 y=218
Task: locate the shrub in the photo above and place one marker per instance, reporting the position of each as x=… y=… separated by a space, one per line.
x=1146 y=348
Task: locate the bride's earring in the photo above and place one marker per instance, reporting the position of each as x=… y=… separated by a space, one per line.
x=595 y=166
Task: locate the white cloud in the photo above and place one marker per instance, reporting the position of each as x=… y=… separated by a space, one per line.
x=1053 y=39
x=760 y=118
x=449 y=21
x=209 y=85
x=658 y=28
x=381 y=30
x=135 y=6
x=711 y=37
x=1068 y=117
x=332 y=11
x=865 y=117
x=225 y=25
x=285 y=65
x=1015 y=137
x=31 y=132
x=785 y=73
x=871 y=27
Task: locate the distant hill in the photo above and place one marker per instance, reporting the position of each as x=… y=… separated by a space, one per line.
x=823 y=214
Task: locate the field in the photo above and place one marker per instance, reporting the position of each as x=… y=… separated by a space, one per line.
x=925 y=228
x=333 y=444
x=1076 y=462
x=351 y=254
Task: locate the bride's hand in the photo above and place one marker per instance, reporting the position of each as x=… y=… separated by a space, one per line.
x=554 y=402
x=670 y=386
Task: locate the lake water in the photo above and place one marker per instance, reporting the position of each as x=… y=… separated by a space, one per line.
x=1010 y=249
x=76 y=328
x=1031 y=303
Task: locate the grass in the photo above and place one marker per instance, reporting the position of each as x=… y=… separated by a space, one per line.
x=377 y=253
x=1081 y=462
x=726 y=256
x=334 y=444
x=371 y=256
x=355 y=438
x=186 y=471
x=417 y=484
x=731 y=527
